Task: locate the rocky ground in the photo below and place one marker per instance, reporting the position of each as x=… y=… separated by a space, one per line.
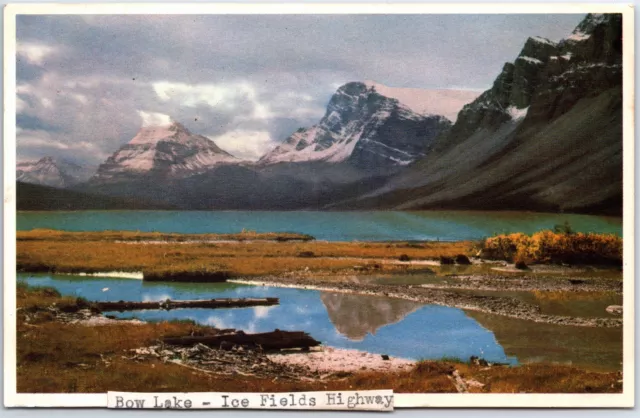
x=498 y=282
x=236 y=361
x=445 y=294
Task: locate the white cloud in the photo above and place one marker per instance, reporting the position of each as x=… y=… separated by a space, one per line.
x=81 y=98
x=244 y=144
x=33 y=52
x=38 y=138
x=261 y=311
x=154 y=119
x=21 y=105
x=213 y=95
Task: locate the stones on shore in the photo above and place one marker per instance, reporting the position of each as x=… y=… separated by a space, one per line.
x=478 y=361
x=614 y=310
x=234 y=360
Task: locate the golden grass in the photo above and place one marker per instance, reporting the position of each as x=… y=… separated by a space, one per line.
x=541 y=378
x=552 y=247
x=53 y=357
x=91 y=252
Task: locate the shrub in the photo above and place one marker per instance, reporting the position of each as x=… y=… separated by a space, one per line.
x=521 y=265
x=306 y=254
x=446 y=260
x=462 y=259
x=404 y=257
x=553 y=247
x=564 y=228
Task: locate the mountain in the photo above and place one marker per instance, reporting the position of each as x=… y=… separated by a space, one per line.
x=52 y=172
x=162 y=153
x=362 y=140
x=546 y=136
x=363 y=128
x=38 y=197
x=356 y=316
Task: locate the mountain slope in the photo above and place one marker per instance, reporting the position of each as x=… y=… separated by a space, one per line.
x=162 y=152
x=38 y=197
x=364 y=129
x=547 y=136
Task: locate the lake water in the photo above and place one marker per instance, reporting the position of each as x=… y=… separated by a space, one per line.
x=370 y=323
x=331 y=226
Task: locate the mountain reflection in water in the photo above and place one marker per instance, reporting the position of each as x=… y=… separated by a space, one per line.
x=355 y=316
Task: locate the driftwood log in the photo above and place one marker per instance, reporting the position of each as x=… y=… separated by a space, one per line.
x=275 y=340
x=176 y=304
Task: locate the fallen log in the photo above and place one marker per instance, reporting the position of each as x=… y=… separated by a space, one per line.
x=187 y=276
x=169 y=304
x=276 y=340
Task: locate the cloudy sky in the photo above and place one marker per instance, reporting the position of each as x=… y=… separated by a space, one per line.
x=85 y=84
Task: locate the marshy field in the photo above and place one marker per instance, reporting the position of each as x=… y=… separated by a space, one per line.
x=383 y=311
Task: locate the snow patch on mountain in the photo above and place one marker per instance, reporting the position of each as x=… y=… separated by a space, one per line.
x=517 y=114
x=578 y=36
x=530 y=60
x=543 y=40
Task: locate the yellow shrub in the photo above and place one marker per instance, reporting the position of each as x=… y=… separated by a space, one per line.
x=552 y=247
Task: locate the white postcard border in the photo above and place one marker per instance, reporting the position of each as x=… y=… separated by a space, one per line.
x=625 y=399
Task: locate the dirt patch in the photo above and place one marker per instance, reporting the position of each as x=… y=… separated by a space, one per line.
x=329 y=360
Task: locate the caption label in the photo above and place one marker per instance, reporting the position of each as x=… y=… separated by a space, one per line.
x=366 y=400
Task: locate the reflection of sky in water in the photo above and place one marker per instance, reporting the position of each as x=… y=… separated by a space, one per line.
x=431 y=332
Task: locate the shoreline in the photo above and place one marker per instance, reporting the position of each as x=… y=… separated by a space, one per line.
x=497 y=305
x=126 y=354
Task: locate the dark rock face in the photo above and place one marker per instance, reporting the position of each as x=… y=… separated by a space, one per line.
x=363 y=128
x=547 y=136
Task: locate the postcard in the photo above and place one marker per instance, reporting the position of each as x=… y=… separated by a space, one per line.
x=314 y=206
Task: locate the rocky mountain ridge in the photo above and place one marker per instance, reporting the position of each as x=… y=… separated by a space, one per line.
x=546 y=136
x=48 y=171
x=363 y=128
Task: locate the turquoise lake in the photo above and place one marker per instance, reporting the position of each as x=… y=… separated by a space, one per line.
x=330 y=226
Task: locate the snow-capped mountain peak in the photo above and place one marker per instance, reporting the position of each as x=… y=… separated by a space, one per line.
x=49 y=171
x=168 y=151
x=363 y=127
x=583 y=31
